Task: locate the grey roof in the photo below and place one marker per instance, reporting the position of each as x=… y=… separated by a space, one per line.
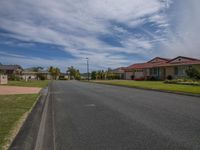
x=10 y=67
x=35 y=72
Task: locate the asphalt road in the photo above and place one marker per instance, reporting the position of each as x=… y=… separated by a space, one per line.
x=87 y=116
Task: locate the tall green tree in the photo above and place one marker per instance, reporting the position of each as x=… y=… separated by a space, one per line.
x=74 y=73
x=94 y=75
x=54 y=71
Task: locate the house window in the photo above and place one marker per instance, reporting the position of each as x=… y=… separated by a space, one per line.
x=179 y=71
x=155 y=71
x=176 y=70
x=151 y=71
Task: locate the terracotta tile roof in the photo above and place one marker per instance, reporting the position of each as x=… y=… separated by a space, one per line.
x=182 y=63
x=160 y=58
x=164 y=63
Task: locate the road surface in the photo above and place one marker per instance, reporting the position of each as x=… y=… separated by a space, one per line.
x=88 y=116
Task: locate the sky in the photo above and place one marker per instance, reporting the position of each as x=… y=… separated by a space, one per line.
x=111 y=33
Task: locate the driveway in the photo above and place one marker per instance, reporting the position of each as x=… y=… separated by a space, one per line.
x=88 y=116
x=8 y=90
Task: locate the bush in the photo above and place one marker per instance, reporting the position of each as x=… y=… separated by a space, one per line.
x=132 y=77
x=151 y=78
x=93 y=75
x=182 y=81
x=13 y=77
x=42 y=78
x=171 y=81
x=193 y=73
x=169 y=77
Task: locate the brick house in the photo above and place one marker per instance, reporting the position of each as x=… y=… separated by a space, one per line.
x=161 y=68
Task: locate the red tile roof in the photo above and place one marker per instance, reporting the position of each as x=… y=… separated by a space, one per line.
x=163 y=62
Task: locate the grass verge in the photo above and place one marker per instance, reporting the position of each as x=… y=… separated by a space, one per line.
x=13 y=108
x=33 y=83
x=157 y=85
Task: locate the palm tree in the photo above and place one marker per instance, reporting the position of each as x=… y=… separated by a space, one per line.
x=55 y=72
x=73 y=73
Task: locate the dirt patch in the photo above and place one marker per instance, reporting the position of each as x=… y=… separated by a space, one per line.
x=8 y=90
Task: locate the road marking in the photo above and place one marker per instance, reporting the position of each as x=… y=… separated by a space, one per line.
x=90 y=105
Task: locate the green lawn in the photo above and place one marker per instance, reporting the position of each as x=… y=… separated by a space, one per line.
x=34 y=83
x=12 y=107
x=159 y=85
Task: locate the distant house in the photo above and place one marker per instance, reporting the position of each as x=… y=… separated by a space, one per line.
x=11 y=70
x=161 y=68
x=119 y=72
x=31 y=74
x=63 y=76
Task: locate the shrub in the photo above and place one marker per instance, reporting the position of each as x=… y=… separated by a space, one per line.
x=169 y=77
x=182 y=81
x=151 y=78
x=13 y=77
x=193 y=73
x=42 y=78
x=93 y=75
x=132 y=77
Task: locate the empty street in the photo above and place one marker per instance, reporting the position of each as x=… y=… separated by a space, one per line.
x=88 y=116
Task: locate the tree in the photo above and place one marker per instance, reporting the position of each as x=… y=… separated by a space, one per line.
x=193 y=73
x=94 y=75
x=74 y=73
x=55 y=72
x=37 y=69
x=100 y=74
x=40 y=76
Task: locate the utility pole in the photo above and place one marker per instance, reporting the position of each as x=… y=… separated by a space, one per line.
x=88 y=74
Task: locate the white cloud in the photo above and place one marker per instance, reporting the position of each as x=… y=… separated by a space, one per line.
x=183 y=38
x=77 y=25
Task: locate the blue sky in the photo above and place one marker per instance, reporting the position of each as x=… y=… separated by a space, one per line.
x=111 y=33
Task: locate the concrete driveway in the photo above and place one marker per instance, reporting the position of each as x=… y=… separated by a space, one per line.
x=8 y=90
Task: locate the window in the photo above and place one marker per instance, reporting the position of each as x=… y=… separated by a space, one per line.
x=176 y=70
x=150 y=71
x=180 y=70
x=155 y=71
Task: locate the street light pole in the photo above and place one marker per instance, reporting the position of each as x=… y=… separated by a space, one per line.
x=88 y=68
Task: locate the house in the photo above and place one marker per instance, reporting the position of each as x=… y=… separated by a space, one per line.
x=32 y=74
x=161 y=68
x=63 y=76
x=119 y=72
x=11 y=70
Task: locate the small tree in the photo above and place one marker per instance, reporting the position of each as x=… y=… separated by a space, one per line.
x=55 y=72
x=74 y=73
x=93 y=75
x=193 y=73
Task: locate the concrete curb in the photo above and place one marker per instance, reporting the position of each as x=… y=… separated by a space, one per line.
x=26 y=137
x=41 y=130
x=157 y=90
